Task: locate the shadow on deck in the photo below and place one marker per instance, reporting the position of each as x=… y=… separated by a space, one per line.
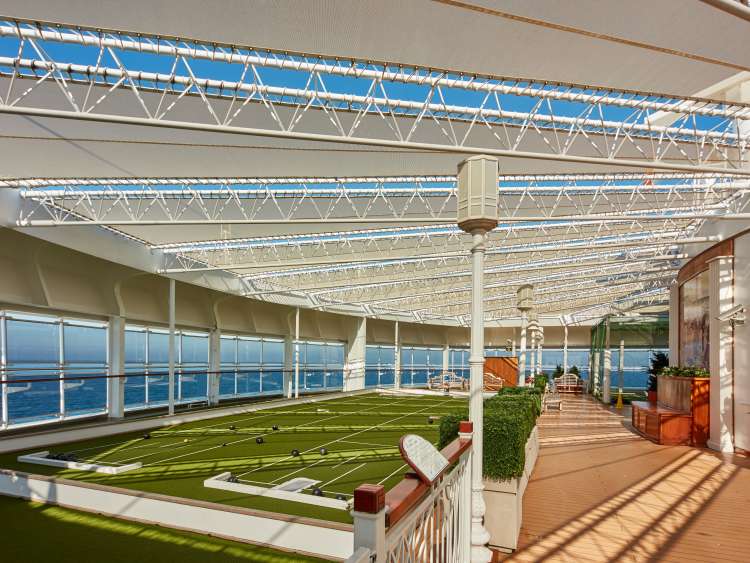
x=599 y=492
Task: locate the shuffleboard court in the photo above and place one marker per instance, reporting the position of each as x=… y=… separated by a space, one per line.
x=330 y=445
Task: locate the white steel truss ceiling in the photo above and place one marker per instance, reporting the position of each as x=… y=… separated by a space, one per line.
x=328 y=181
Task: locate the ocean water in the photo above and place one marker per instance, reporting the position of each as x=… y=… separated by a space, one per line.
x=30 y=402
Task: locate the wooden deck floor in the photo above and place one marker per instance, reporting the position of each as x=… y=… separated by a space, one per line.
x=601 y=493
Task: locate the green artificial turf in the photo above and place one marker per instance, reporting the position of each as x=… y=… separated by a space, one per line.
x=360 y=432
x=36 y=532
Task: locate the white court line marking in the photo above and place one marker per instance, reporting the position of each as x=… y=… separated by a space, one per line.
x=337 y=440
x=297 y=410
x=243 y=440
x=368 y=444
x=297 y=471
x=349 y=460
x=315 y=447
x=344 y=474
x=404 y=466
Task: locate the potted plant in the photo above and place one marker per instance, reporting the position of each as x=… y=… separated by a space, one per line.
x=659 y=361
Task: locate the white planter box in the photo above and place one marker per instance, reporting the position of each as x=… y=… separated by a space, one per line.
x=504 y=500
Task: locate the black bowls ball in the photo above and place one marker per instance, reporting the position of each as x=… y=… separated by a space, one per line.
x=323 y=451
x=233 y=427
x=146 y=436
x=275 y=427
x=259 y=440
x=430 y=421
x=317 y=492
x=295 y=453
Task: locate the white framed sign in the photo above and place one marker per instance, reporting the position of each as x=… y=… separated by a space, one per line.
x=423 y=457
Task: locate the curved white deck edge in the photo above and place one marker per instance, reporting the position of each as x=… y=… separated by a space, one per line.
x=287 y=533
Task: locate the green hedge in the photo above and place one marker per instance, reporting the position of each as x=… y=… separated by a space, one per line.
x=509 y=419
x=531 y=394
x=540 y=382
x=685 y=371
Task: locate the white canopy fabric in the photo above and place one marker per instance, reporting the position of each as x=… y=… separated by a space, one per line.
x=305 y=153
x=674 y=46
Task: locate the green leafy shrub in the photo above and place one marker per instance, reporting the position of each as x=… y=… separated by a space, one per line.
x=574 y=370
x=659 y=361
x=685 y=371
x=509 y=419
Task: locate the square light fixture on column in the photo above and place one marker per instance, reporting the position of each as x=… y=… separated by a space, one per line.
x=525 y=297
x=477 y=193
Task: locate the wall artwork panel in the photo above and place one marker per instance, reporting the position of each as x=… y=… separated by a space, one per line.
x=694 y=321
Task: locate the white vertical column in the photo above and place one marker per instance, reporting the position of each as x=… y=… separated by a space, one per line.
x=522 y=355
x=565 y=348
x=3 y=370
x=513 y=347
x=170 y=399
x=289 y=355
x=721 y=336
x=296 y=354
x=540 y=344
x=674 y=325
x=356 y=350
x=116 y=360
x=477 y=214
x=607 y=377
x=396 y=357
x=595 y=365
x=446 y=357
x=214 y=366
x=61 y=364
x=479 y=535
x=532 y=351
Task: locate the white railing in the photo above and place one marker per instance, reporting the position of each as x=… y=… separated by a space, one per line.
x=417 y=522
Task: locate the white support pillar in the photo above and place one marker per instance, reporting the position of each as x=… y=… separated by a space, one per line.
x=288 y=366
x=565 y=348
x=540 y=343
x=446 y=357
x=479 y=535
x=513 y=347
x=3 y=372
x=356 y=352
x=607 y=377
x=296 y=354
x=116 y=360
x=674 y=325
x=396 y=357
x=532 y=352
x=522 y=355
x=477 y=214
x=172 y=348
x=721 y=336
x=61 y=365
x=524 y=303
x=214 y=366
